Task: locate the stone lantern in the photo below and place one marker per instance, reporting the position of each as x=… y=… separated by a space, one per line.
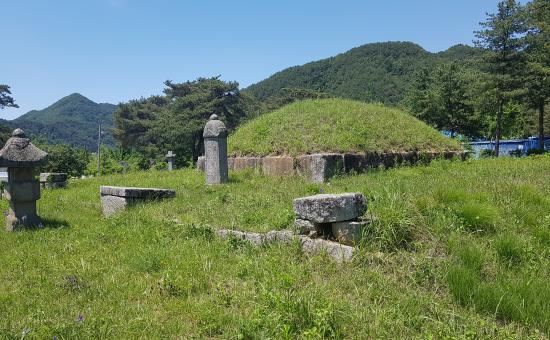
x=215 y=151
x=21 y=158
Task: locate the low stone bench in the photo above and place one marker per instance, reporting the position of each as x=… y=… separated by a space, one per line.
x=53 y=180
x=114 y=199
x=331 y=216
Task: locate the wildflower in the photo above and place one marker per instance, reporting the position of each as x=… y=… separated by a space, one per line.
x=79 y=318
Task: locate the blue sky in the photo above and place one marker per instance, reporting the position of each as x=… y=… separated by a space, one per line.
x=116 y=50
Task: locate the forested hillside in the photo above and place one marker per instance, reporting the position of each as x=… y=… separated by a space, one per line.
x=379 y=72
x=72 y=120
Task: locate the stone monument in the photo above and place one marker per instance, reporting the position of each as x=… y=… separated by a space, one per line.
x=170 y=157
x=215 y=151
x=22 y=190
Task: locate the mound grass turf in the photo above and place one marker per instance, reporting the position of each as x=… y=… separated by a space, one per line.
x=456 y=251
x=335 y=125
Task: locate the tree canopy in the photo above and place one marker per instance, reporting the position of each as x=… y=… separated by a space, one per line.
x=176 y=120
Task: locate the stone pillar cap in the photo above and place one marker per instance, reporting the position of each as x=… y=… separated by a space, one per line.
x=214 y=128
x=19 y=152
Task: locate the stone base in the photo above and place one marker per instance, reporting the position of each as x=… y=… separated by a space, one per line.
x=25 y=221
x=111 y=204
x=348 y=232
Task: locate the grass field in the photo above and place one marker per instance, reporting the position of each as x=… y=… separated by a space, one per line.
x=336 y=125
x=459 y=249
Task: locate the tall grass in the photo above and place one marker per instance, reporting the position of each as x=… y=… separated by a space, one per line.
x=158 y=271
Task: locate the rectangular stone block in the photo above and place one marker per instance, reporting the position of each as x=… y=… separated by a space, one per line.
x=53 y=177
x=348 y=232
x=320 y=167
x=278 y=165
x=339 y=252
x=330 y=208
x=114 y=199
x=145 y=193
x=53 y=185
x=242 y=163
x=113 y=204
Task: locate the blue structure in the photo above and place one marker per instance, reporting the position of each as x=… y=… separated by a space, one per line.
x=510 y=147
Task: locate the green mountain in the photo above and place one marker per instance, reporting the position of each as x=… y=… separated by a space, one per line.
x=73 y=120
x=378 y=72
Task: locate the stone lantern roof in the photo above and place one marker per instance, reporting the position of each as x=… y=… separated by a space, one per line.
x=19 y=152
x=214 y=128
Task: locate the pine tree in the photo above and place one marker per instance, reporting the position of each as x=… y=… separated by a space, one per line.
x=502 y=38
x=537 y=75
x=5 y=99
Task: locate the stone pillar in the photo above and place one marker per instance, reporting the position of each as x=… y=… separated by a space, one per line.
x=170 y=157
x=215 y=150
x=22 y=192
x=21 y=158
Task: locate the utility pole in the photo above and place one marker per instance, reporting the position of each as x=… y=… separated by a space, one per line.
x=99 y=151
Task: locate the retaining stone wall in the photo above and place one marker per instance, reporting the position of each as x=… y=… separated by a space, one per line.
x=320 y=167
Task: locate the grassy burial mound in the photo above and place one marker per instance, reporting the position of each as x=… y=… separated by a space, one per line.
x=336 y=125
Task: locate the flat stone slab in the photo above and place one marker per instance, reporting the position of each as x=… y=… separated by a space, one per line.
x=258 y=239
x=114 y=199
x=53 y=180
x=131 y=192
x=53 y=177
x=328 y=208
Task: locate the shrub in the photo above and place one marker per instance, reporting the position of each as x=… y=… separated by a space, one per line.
x=535 y=152
x=487 y=153
x=64 y=158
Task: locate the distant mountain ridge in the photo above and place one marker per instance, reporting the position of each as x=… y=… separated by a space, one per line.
x=73 y=120
x=377 y=72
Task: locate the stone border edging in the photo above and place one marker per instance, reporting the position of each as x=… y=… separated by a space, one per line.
x=339 y=252
x=322 y=166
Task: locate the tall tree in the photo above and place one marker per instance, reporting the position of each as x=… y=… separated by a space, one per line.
x=5 y=97
x=502 y=39
x=176 y=120
x=442 y=98
x=537 y=75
